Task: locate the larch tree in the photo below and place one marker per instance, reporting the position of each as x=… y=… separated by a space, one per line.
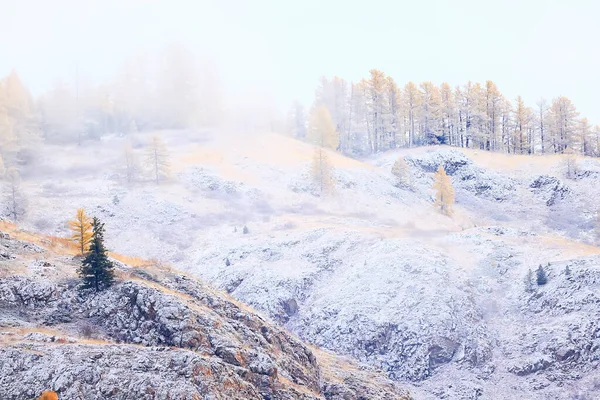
x=431 y=104
x=81 y=228
x=157 y=159
x=8 y=139
x=321 y=172
x=444 y=192
x=410 y=104
x=96 y=270
x=376 y=109
x=20 y=123
x=448 y=114
x=131 y=163
x=521 y=118
x=584 y=133
x=16 y=202
x=400 y=171
x=321 y=129
x=357 y=121
x=596 y=140
x=392 y=120
x=570 y=163
x=563 y=117
x=493 y=100
x=331 y=94
x=542 y=118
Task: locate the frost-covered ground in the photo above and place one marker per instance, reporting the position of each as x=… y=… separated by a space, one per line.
x=372 y=271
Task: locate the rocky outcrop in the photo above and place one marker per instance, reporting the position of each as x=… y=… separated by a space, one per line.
x=466 y=175
x=153 y=335
x=551 y=188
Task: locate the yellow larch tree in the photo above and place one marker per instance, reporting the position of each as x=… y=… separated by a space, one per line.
x=81 y=227
x=400 y=171
x=444 y=192
x=321 y=129
x=157 y=159
x=321 y=172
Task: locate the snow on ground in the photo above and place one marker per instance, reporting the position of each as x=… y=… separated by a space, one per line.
x=372 y=271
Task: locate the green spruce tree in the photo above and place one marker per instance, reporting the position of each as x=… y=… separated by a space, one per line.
x=542 y=278
x=96 y=270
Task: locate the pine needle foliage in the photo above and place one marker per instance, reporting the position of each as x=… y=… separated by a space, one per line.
x=96 y=270
x=542 y=277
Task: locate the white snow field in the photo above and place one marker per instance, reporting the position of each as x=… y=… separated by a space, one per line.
x=372 y=271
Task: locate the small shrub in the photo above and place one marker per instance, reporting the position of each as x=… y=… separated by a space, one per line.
x=49 y=395
x=86 y=330
x=245 y=230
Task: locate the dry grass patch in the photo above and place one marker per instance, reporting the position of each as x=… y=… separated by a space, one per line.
x=58 y=245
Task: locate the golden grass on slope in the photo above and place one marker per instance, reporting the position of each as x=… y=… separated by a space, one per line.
x=57 y=244
x=300 y=388
x=266 y=148
x=570 y=247
x=130 y=260
x=62 y=245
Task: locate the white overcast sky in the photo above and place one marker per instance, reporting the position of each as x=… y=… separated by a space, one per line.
x=530 y=47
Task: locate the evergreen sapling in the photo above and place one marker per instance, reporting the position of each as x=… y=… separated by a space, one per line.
x=542 y=278
x=96 y=270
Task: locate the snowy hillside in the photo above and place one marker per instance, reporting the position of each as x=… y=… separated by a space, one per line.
x=372 y=271
x=154 y=334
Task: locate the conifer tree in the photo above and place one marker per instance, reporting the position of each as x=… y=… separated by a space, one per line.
x=96 y=270
x=400 y=171
x=157 y=159
x=15 y=200
x=2 y=169
x=570 y=163
x=82 y=230
x=321 y=129
x=322 y=172
x=444 y=191
x=542 y=278
x=131 y=163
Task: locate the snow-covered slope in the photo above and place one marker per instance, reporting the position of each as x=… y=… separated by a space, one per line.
x=155 y=334
x=372 y=271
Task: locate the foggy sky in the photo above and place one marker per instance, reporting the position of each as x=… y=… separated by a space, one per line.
x=277 y=50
